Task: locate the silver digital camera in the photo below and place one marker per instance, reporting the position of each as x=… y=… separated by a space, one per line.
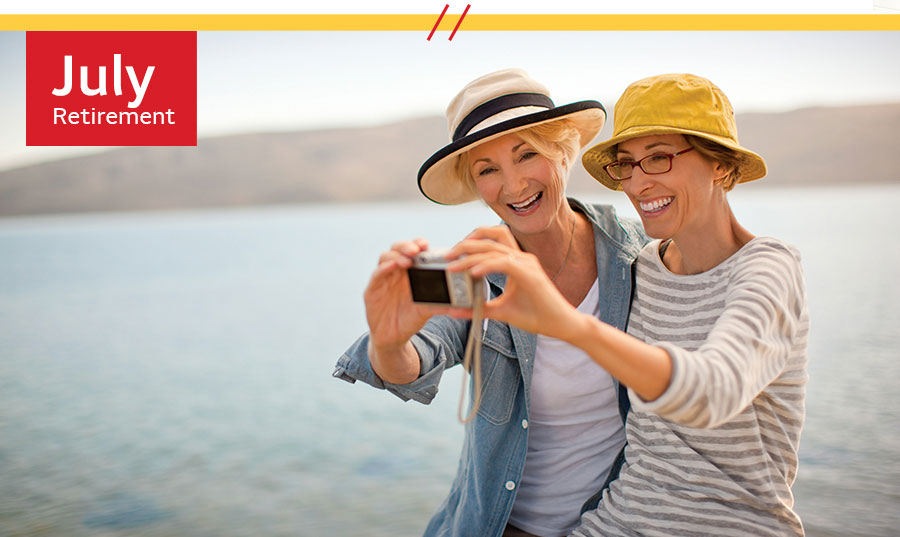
x=432 y=283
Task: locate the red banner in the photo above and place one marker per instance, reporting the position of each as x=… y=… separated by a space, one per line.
x=111 y=88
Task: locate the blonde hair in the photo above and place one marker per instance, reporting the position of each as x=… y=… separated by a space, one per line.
x=729 y=158
x=557 y=141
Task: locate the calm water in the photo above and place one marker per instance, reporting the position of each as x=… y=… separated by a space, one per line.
x=169 y=374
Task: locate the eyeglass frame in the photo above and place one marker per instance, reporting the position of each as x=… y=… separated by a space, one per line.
x=638 y=163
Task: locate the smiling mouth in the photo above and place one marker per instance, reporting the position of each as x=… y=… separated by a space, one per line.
x=526 y=204
x=656 y=205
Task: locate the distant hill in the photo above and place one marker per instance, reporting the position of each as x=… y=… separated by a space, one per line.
x=813 y=146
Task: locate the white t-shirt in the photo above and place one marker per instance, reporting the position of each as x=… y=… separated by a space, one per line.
x=574 y=435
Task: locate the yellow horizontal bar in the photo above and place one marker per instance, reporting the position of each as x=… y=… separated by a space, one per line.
x=472 y=22
x=680 y=22
x=221 y=22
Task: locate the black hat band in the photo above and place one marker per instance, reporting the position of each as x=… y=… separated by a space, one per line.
x=497 y=105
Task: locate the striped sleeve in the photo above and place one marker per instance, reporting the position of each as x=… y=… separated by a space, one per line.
x=748 y=346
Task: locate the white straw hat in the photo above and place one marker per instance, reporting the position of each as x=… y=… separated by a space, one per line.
x=490 y=107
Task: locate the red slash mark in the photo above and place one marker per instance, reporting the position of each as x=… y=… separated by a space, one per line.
x=461 y=17
x=446 y=7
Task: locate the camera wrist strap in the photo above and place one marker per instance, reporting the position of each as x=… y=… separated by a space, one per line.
x=472 y=356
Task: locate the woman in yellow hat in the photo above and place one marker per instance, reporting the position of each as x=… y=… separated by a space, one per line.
x=715 y=352
x=549 y=426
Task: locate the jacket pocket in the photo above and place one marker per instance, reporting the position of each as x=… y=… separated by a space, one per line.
x=500 y=375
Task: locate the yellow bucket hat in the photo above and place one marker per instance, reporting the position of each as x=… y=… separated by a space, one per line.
x=671 y=104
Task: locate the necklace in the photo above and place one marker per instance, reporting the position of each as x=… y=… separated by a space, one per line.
x=568 y=251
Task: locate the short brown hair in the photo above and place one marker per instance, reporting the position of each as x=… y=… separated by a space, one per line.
x=716 y=152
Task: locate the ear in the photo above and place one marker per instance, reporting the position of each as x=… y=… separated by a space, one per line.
x=720 y=172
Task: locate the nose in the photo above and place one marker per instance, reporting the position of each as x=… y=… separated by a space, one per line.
x=639 y=182
x=515 y=182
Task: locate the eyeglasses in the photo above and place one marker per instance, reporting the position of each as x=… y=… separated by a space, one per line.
x=621 y=170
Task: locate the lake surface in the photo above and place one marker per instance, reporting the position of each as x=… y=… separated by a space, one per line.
x=169 y=374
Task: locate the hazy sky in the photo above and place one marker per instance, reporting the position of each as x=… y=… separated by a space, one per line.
x=263 y=81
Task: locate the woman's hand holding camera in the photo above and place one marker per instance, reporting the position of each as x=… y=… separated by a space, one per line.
x=393 y=317
x=530 y=301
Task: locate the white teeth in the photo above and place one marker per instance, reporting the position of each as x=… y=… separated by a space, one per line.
x=525 y=203
x=656 y=204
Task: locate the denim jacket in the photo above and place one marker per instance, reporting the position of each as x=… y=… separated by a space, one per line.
x=494 y=448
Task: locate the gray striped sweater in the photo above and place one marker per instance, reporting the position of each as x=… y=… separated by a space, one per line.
x=716 y=453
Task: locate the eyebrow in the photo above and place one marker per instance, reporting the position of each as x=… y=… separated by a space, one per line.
x=647 y=147
x=514 y=149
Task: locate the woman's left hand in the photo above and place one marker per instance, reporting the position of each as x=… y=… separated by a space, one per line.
x=530 y=301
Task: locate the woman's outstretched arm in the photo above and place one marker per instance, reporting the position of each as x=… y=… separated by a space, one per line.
x=746 y=350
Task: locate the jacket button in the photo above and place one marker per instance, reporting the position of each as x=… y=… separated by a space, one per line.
x=510 y=485
x=524 y=424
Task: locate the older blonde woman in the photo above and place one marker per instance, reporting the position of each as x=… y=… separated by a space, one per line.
x=716 y=348
x=549 y=429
